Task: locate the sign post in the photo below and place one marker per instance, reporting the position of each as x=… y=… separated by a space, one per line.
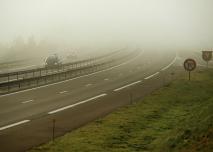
x=207 y=56
x=53 y=131
x=190 y=65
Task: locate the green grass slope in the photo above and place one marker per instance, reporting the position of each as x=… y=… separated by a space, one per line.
x=177 y=117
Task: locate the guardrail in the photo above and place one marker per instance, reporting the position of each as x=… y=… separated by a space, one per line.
x=25 y=74
x=44 y=76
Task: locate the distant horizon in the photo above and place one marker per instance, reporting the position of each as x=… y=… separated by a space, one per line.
x=37 y=28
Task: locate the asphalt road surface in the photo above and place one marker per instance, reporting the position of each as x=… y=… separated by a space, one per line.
x=26 y=116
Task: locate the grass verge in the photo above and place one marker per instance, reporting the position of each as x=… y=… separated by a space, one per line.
x=177 y=117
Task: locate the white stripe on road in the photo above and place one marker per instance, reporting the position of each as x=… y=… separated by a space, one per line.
x=151 y=76
x=88 y=85
x=63 y=92
x=27 y=101
x=173 y=61
x=128 y=85
x=44 y=86
x=76 y=104
x=15 y=124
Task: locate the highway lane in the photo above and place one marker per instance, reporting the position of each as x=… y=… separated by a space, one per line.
x=37 y=131
x=99 y=93
x=92 y=96
x=37 y=103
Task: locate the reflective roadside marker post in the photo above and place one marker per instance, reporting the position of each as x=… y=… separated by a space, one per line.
x=131 y=98
x=207 y=56
x=190 y=65
x=53 y=133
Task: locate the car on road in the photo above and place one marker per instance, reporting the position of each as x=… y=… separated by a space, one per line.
x=52 y=61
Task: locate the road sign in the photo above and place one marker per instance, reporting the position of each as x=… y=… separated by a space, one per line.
x=190 y=65
x=207 y=55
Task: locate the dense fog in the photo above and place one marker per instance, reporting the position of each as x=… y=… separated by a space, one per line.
x=33 y=29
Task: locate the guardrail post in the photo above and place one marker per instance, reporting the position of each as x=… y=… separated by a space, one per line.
x=8 y=77
x=25 y=75
x=46 y=71
x=8 y=88
x=29 y=83
x=65 y=75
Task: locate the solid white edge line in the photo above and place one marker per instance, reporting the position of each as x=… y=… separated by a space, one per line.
x=166 y=67
x=76 y=104
x=128 y=85
x=15 y=124
x=152 y=75
x=73 y=78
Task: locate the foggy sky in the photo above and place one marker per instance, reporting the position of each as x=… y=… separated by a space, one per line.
x=159 y=23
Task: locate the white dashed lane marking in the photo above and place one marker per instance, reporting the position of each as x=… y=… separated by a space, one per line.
x=15 y=124
x=128 y=85
x=88 y=85
x=62 y=92
x=149 y=77
x=27 y=101
x=76 y=104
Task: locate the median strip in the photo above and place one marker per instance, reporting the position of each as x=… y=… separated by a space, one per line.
x=128 y=85
x=152 y=75
x=76 y=104
x=15 y=124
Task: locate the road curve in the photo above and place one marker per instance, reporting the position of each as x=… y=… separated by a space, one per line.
x=25 y=108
